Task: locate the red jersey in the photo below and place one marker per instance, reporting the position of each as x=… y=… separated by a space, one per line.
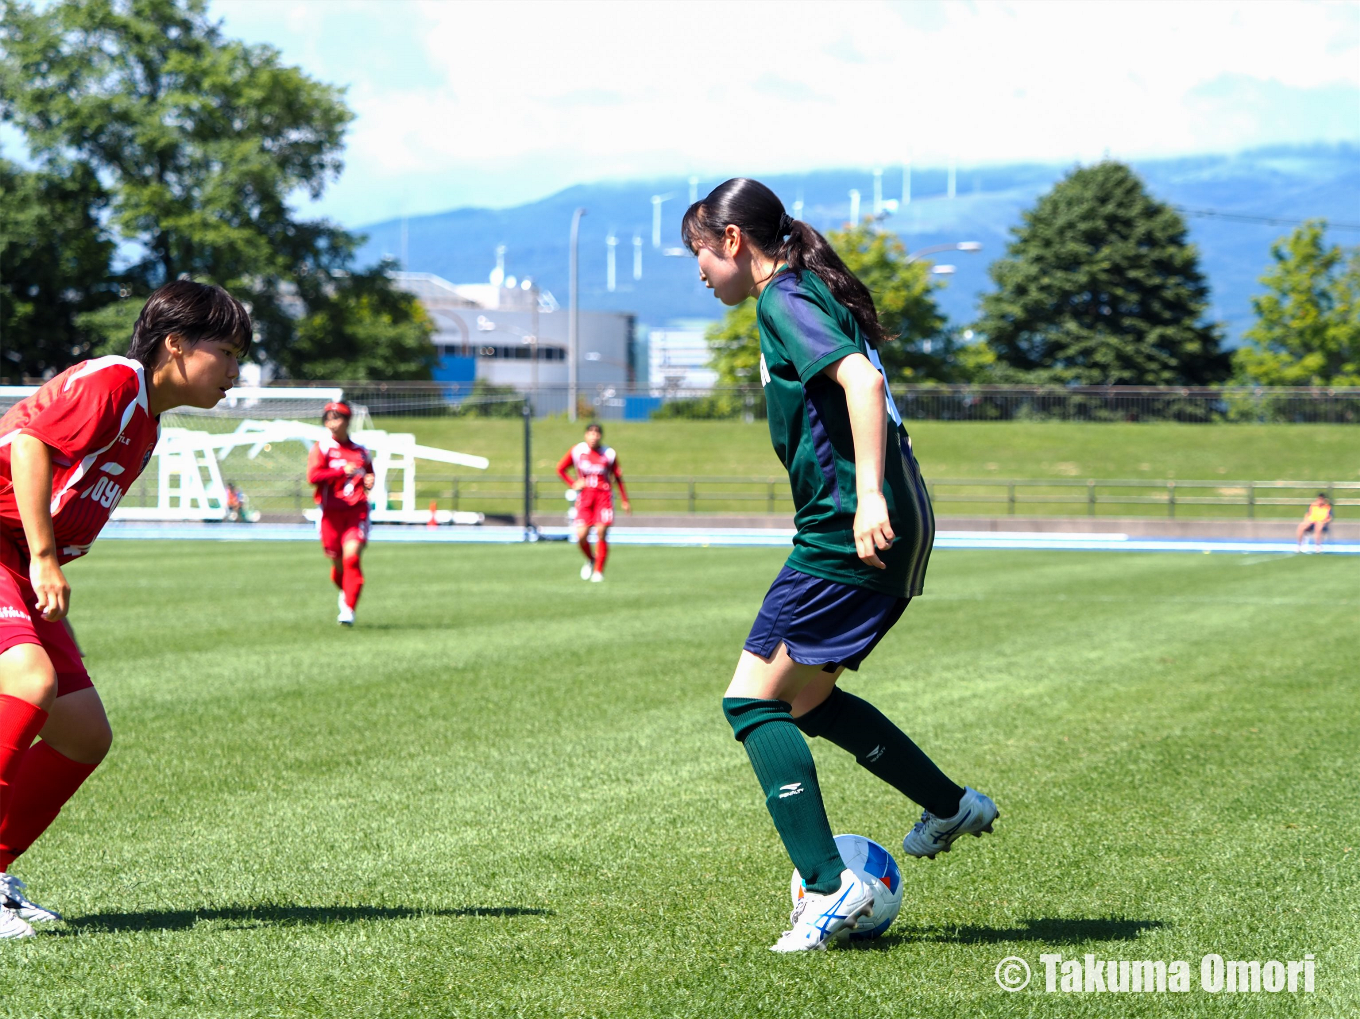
x=95 y=418
x=598 y=468
x=337 y=491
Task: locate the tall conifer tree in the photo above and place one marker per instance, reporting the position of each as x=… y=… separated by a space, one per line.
x=1101 y=287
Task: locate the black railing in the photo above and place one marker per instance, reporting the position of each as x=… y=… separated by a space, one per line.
x=1322 y=405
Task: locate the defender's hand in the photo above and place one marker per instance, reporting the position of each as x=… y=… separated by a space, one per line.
x=49 y=584
x=873 y=531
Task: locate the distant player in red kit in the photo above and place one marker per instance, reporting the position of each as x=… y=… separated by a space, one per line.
x=597 y=468
x=342 y=472
x=68 y=453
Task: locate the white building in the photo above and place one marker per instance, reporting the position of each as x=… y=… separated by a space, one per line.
x=678 y=359
x=492 y=333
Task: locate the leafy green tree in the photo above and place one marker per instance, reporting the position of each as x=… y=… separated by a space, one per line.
x=54 y=267
x=201 y=141
x=365 y=331
x=1307 y=329
x=1101 y=287
x=902 y=292
x=921 y=345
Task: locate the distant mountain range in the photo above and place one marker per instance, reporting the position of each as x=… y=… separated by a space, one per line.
x=1282 y=183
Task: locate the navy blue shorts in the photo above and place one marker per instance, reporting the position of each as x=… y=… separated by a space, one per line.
x=822 y=622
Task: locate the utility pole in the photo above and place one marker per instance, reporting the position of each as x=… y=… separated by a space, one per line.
x=574 y=315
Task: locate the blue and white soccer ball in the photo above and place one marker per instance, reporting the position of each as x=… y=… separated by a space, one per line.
x=875 y=865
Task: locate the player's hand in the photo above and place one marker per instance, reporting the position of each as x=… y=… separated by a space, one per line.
x=578 y=484
x=627 y=507
x=369 y=481
x=351 y=470
x=49 y=584
x=873 y=530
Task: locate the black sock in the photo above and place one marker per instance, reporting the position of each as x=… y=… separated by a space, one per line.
x=883 y=750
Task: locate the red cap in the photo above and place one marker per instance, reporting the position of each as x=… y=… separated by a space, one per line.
x=337 y=407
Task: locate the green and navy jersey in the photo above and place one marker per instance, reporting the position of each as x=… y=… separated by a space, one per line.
x=803 y=329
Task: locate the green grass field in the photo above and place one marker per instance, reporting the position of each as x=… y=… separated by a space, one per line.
x=507 y=793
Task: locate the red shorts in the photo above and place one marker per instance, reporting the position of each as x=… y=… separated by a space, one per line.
x=20 y=623
x=338 y=528
x=595 y=506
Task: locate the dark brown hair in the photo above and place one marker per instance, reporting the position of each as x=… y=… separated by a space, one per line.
x=760 y=214
x=192 y=311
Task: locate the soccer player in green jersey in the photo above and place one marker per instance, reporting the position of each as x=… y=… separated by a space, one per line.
x=865 y=530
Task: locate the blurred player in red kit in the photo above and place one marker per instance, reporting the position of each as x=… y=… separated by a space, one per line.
x=68 y=453
x=597 y=468
x=342 y=472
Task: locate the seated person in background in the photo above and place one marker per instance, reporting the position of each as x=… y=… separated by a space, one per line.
x=235 y=502
x=1317 y=518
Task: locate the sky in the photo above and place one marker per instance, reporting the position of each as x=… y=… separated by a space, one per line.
x=495 y=104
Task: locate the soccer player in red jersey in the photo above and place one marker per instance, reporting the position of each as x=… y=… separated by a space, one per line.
x=342 y=472
x=597 y=468
x=68 y=453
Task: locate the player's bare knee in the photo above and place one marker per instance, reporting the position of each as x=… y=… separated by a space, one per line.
x=94 y=742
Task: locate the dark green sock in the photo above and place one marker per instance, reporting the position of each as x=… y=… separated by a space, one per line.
x=883 y=750
x=784 y=767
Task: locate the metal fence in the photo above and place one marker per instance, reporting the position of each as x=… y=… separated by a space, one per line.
x=1337 y=405
x=286 y=492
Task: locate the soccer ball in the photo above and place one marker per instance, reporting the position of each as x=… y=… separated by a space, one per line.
x=875 y=865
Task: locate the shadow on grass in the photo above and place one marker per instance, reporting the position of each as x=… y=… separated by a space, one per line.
x=244 y=917
x=1053 y=931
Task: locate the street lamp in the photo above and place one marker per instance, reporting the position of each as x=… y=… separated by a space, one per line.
x=532 y=288
x=573 y=315
x=957 y=246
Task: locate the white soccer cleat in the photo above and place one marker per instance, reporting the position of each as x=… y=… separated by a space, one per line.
x=12 y=925
x=933 y=834
x=597 y=577
x=819 y=918
x=586 y=571
x=12 y=897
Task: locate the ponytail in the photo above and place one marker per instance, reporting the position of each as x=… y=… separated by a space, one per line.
x=760 y=215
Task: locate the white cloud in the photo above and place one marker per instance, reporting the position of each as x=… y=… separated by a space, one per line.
x=492 y=103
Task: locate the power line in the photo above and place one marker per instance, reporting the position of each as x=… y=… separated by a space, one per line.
x=1239 y=217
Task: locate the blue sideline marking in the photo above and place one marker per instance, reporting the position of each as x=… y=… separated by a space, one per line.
x=682 y=537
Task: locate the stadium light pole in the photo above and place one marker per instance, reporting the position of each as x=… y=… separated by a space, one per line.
x=573 y=316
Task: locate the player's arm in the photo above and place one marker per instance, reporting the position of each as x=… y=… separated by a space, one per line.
x=319 y=470
x=31 y=471
x=623 y=492
x=865 y=400
x=369 y=477
x=563 y=466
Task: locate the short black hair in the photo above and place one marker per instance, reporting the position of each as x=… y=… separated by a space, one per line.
x=595 y=426
x=193 y=311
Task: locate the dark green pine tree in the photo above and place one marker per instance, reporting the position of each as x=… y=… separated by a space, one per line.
x=1100 y=287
